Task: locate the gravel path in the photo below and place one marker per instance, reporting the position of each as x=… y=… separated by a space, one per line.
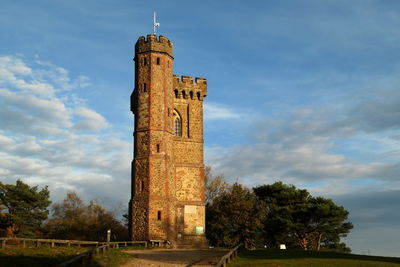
x=174 y=257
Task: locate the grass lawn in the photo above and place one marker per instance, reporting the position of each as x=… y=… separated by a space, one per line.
x=15 y=256
x=285 y=258
x=114 y=257
x=41 y=256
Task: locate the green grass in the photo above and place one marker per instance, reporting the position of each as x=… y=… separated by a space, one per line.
x=41 y=256
x=46 y=256
x=309 y=258
x=114 y=257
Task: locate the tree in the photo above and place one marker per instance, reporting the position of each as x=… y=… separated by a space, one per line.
x=297 y=219
x=23 y=209
x=329 y=222
x=214 y=185
x=233 y=217
x=281 y=201
x=73 y=219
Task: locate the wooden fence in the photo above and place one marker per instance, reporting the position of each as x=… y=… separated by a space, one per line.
x=54 y=242
x=83 y=258
x=125 y=243
x=228 y=257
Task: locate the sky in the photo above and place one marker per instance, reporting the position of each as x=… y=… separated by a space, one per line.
x=305 y=92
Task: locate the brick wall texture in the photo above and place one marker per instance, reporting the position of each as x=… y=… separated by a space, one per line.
x=167 y=201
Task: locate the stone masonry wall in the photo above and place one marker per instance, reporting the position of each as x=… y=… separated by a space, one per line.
x=167 y=200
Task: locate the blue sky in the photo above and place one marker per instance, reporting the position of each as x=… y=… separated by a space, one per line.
x=306 y=92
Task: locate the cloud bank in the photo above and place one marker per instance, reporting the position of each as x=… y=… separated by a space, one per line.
x=50 y=137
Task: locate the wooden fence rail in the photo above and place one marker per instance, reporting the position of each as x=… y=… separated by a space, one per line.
x=228 y=257
x=83 y=258
x=53 y=242
x=126 y=243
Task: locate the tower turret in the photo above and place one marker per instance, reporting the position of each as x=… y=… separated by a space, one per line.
x=152 y=168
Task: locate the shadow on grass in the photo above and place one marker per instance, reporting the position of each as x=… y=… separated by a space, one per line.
x=13 y=256
x=298 y=254
x=35 y=261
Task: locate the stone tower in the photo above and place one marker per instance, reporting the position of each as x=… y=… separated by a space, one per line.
x=167 y=201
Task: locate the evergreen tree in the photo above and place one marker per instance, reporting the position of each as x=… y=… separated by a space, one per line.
x=295 y=218
x=23 y=209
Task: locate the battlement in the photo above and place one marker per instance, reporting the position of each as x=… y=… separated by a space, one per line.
x=186 y=86
x=151 y=43
x=189 y=79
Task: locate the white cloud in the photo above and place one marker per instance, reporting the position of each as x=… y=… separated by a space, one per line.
x=48 y=136
x=5 y=142
x=213 y=111
x=92 y=121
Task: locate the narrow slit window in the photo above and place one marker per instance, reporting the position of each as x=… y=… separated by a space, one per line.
x=144 y=87
x=158 y=148
x=142 y=186
x=145 y=61
x=177 y=123
x=178 y=130
x=191 y=94
x=176 y=93
x=158 y=61
x=159 y=215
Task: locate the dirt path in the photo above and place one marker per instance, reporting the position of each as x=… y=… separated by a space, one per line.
x=174 y=257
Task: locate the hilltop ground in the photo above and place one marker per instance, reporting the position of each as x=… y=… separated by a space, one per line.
x=309 y=258
x=172 y=257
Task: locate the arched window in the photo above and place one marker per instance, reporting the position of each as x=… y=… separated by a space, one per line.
x=177 y=124
x=178 y=130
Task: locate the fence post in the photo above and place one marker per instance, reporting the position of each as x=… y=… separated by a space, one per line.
x=108 y=236
x=3 y=243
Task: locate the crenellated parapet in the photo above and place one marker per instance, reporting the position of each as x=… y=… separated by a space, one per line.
x=153 y=44
x=188 y=88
